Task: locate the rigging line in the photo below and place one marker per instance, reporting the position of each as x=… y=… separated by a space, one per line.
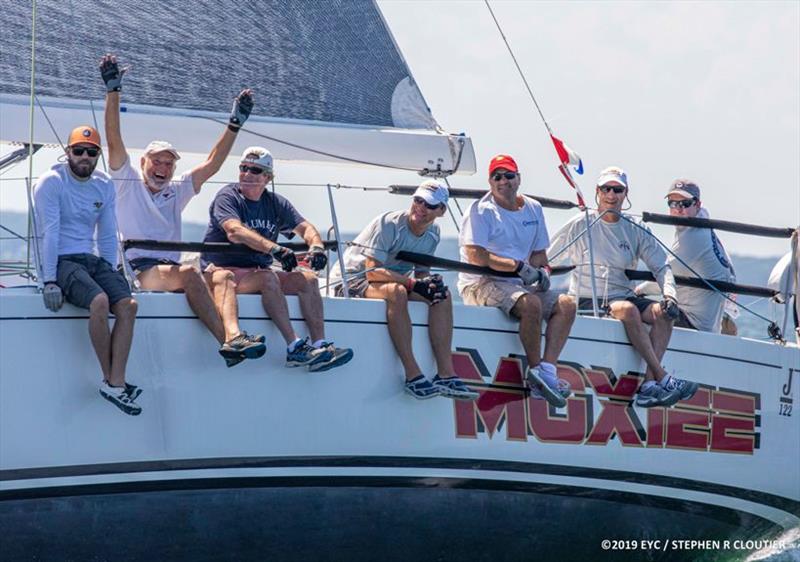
x=687 y=266
x=29 y=184
x=313 y=150
x=519 y=69
x=20 y=236
x=449 y=210
x=50 y=123
x=94 y=120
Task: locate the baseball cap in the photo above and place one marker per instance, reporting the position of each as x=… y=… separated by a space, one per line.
x=433 y=192
x=502 y=161
x=615 y=174
x=259 y=156
x=684 y=187
x=161 y=146
x=84 y=134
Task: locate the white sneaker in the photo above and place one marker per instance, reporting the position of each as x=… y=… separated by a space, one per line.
x=120 y=398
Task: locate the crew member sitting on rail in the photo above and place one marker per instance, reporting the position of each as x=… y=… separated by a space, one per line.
x=246 y=213
x=75 y=207
x=374 y=271
x=507 y=232
x=619 y=242
x=703 y=255
x=150 y=203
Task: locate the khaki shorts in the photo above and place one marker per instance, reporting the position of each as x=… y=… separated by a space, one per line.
x=504 y=295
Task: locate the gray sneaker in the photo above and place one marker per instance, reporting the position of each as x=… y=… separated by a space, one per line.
x=686 y=388
x=657 y=395
x=544 y=385
x=338 y=357
x=303 y=354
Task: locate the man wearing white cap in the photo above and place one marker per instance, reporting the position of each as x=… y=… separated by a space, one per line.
x=150 y=203
x=247 y=213
x=374 y=272
x=704 y=256
x=619 y=242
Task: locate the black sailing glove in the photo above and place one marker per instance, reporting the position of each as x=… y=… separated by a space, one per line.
x=285 y=256
x=242 y=107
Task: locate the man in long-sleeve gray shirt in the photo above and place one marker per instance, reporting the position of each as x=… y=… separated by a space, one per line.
x=75 y=207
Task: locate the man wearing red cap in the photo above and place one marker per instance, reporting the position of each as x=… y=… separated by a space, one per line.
x=506 y=231
x=150 y=203
x=75 y=206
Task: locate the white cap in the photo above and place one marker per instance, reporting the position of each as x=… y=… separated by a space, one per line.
x=612 y=173
x=259 y=156
x=433 y=192
x=161 y=146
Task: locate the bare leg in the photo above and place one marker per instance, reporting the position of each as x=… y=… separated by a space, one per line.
x=121 y=338
x=305 y=285
x=272 y=299
x=223 y=289
x=100 y=334
x=628 y=314
x=660 y=332
x=190 y=280
x=558 y=327
x=399 y=322
x=440 y=332
x=528 y=309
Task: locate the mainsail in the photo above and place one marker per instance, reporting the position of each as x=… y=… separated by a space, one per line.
x=331 y=83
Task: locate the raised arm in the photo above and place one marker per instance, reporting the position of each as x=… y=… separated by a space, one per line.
x=242 y=107
x=112 y=76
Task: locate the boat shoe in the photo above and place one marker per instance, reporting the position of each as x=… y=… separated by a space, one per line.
x=421 y=388
x=547 y=386
x=454 y=387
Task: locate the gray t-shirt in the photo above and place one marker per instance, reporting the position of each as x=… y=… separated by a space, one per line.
x=383 y=237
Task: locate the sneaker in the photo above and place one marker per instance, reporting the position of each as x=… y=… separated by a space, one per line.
x=133 y=391
x=545 y=385
x=339 y=356
x=233 y=361
x=564 y=389
x=243 y=345
x=454 y=387
x=303 y=354
x=119 y=397
x=686 y=388
x=420 y=388
x=657 y=395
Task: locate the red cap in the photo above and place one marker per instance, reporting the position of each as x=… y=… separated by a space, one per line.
x=84 y=134
x=502 y=161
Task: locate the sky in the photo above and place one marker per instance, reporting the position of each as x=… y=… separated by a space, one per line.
x=704 y=90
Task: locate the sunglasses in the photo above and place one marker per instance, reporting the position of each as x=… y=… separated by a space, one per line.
x=421 y=201
x=79 y=150
x=680 y=204
x=255 y=170
x=615 y=188
x=508 y=175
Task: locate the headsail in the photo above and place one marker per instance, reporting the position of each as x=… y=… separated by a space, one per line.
x=331 y=84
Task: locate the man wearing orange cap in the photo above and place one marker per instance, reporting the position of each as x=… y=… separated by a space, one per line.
x=150 y=203
x=506 y=231
x=75 y=206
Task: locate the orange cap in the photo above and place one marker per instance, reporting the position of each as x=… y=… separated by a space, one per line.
x=84 y=134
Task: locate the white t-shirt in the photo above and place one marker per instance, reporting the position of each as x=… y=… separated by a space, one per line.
x=382 y=238
x=617 y=246
x=703 y=252
x=504 y=233
x=143 y=215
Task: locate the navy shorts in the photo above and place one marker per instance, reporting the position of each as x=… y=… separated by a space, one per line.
x=140 y=265
x=641 y=303
x=84 y=276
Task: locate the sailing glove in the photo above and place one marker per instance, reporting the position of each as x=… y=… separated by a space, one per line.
x=544 y=279
x=111 y=73
x=431 y=288
x=528 y=273
x=242 y=107
x=670 y=307
x=317 y=258
x=285 y=256
x=53 y=297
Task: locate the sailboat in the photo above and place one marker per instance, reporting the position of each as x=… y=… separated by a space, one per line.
x=260 y=462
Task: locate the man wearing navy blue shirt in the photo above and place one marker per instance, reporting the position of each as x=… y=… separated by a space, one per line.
x=247 y=213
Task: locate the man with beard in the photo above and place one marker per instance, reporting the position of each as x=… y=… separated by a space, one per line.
x=247 y=213
x=75 y=205
x=150 y=203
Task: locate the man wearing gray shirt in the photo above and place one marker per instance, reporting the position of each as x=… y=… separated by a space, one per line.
x=374 y=272
x=703 y=253
x=619 y=242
